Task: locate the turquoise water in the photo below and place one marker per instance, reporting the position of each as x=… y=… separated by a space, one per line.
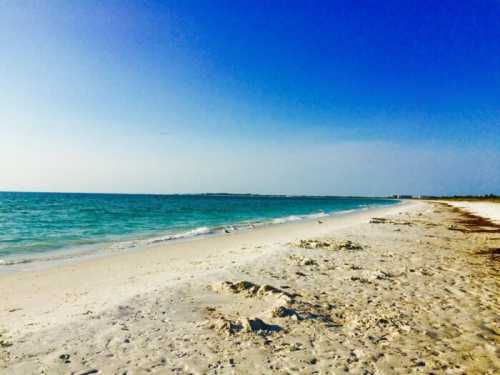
x=32 y=224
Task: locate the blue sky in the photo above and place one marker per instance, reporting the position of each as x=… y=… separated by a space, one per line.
x=272 y=97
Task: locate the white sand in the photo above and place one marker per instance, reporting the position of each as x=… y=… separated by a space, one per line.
x=487 y=210
x=103 y=282
x=406 y=296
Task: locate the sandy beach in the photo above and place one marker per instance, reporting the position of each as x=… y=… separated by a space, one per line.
x=484 y=209
x=404 y=289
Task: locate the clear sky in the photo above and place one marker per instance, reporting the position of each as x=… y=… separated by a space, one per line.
x=312 y=97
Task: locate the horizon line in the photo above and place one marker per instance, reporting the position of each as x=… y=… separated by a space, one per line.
x=392 y=196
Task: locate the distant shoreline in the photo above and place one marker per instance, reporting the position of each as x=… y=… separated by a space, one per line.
x=205 y=194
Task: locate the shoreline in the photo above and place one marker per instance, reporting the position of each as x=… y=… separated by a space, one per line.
x=91 y=277
x=70 y=255
x=400 y=294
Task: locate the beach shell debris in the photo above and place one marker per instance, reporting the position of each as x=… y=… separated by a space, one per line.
x=300 y=260
x=328 y=244
x=383 y=220
x=4 y=341
x=232 y=326
x=250 y=289
x=285 y=312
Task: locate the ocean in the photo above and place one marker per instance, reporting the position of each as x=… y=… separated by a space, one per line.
x=41 y=226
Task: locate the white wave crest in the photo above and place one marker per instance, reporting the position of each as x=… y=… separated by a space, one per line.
x=5 y=262
x=192 y=233
x=287 y=219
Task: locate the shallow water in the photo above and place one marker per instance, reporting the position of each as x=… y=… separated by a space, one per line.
x=34 y=224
